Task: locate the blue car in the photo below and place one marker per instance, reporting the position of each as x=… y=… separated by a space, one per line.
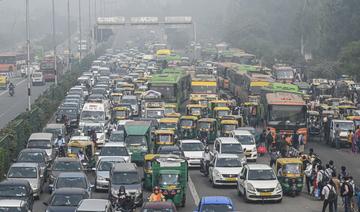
x=215 y=204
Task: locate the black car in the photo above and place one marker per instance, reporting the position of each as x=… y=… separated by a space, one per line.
x=72 y=115
x=35 y=156
x=64 y=165
x=17 y=189
x=174 y=149
x=65 y=199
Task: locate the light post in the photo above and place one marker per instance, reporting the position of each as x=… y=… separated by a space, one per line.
x=80 y=33
x=28 y=55
x=54 y=41
x=68 y=35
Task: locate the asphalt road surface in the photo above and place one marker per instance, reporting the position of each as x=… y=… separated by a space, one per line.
x=10 y=107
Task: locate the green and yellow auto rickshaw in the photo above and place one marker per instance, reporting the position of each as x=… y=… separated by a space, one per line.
x=290 y=174
x=219 y=112
x=207 y=129
x=188 y=126
x=115 y=99
x=172 y=115
x=121 y=113
x=170 y=108
x=164 y=138
x=197 y=110
x=226 y=126
x=169 y=124
x=147 y=168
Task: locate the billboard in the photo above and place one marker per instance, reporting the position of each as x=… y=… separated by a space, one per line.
x=110 y=21
x=144 y=20
x=178 y=20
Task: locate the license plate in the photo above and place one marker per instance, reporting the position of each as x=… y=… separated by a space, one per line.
x=265 y=194
x=248 y=154
x=230 y=179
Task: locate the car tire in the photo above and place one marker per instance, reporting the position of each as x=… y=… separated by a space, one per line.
x=245 y=197
x=213 y=184
x=279 y=201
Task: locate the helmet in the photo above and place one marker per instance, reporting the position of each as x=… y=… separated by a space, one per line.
x=59 y=136
x=156 y=188
x=122 y=190
x=207 y=149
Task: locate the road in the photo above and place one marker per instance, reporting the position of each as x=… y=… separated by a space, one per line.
x=10 y=107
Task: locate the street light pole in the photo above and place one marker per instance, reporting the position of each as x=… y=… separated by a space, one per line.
x=28 y=56
x=54 y=41
x=68 y=35
x=80 y=46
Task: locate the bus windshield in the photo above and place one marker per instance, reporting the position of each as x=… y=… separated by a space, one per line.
x=284 y=113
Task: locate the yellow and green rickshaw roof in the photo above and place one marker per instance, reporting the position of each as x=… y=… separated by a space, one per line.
x=194 y=118
x=172 y=115
x=346 y=107
x=221 y=108
x=148 y=157
x=164 y=132
x=170 y=106
x=288 y=160
x=116 y=94
x=209 y=120
x=251 y=104
x=229 y=122
x=195 y=106
x=120 y=108
x=80 y=143
x=169 y=120
x=219 y=101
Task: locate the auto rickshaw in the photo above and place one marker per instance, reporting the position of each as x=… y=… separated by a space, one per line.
x=188 y=126
x=148 y=170
x=197 y=110
x=116 y=99
x=226 y=126
x=169 y=124
x=85 y=144
x=219 y=112
x=199 y=100
x=172 y=115
x=290 y=174
x=207 y=129
x=120 y=113
x=164 y=138
x=346 y=110
x=238 y=118
x=170 y=108
x=219 y=103
x=355 y=119
x=314 y=122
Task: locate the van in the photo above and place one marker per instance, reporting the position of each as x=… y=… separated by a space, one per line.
x=37 y=78
x=93 y=113
x=345 y=126
x=127 y=175
x=55 y=129
x=228 y=145
x=133 y=101
x=42 y=141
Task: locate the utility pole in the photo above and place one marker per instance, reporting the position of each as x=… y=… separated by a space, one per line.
x=89 y=35
x=68 y=35
x=80 y=46
x=54 y=41
x=95 y=28
x=28 y=55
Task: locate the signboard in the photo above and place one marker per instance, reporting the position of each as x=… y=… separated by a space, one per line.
x=178 y=20
x=144 y=20
x=111 y=21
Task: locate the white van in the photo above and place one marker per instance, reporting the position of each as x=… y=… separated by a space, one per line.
x=42 y=141
x=93 y=113
x=37 y=78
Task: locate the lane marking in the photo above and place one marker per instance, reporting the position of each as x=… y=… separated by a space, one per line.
x=193 y=191
x=4 y=92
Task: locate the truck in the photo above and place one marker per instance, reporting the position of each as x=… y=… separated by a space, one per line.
x=138 y=139
x=170 y=173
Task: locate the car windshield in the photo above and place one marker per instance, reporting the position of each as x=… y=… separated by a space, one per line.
x=229 y=127
x=292 y=168
x=223 y=113
x=73 y=150
x=12 y=191
x=22 y=172
x=107 y=165
x=170 y=110
x=97 y=128
x=195 y=111
x=165 y=138
x=284 y=113
x=231 y=149
x=125 y=178
x=117 y=137
x=67 y=166
x=71 y=182
x=12 y=209
x=157 y=210
x=93 y=115
x=167 y=125
x=155 y=113
x=66 y=200
x=192 y=147
x=216 y=208
x=186 y=123
x=267 y=174
x=228 y=162
x=345 y=126
x=204 y=125
x=168 y=179
x=113 y=151
x=35 y=157
x=39 y=144
x=174 y=151
x=245 y=139
x=120 y=113
x=134 y=140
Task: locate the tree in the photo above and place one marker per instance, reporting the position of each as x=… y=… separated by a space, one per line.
x=349 y=62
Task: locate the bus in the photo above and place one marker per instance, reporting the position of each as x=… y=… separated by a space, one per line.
x=281 y=87
x=8 y=62
x=173 y=84
x=283 y=73
x=203 y=86
x=237 y=56
x=284 y=113
x=47 y=67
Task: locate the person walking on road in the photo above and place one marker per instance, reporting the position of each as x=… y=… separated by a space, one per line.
x=337 y=136
x=269 y=139
x=347 y=193
x=336 y=182
x=330 y=196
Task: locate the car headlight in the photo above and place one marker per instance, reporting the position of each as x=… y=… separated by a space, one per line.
x=250 y=187
x=254 y=149
x=278 y=187
x=217 y=173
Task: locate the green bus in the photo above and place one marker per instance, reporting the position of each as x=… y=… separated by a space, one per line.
x=281 y=87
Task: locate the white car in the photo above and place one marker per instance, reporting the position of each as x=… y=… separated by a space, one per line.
x=99 y=129
x=247 y=141
x=259 y=182
x=193 y=151
x=224 y=169
x=114 y=149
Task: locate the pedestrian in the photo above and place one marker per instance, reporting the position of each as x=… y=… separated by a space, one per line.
x=337 y=136
x=336 y=182
x=301 y=143
x=274 y=154
x=295 y=140
x=328 y=171
x=262 y=139
x=347 y=192
x=332 y=166
x=351 y=140
x=330 y=196
x=269 y=139
x=319 y=181
x=343 y=173
x=326 y=124
x=308 y=175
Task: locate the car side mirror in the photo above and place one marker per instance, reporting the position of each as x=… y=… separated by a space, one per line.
x=93 y=169
x=242 y=177
x=46 y=204
x=211 y=165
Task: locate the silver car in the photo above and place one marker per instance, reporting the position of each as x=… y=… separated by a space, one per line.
x=102 y=170
x=30 y=172
x=14 y=205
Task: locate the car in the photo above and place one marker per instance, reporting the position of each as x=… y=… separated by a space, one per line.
x=37 y=78
x=158 y=206
x=259 y=182
x=55 y=129
x=64 y=165
x=224 y=169
x=72 y=180
x=193 y=151
x=30 y=172
x=173 y=149
x=17 y=205
x=114 y=149
x=228 y=145
x=215 y=204
x=345 y=126
x=94 y=205
x=102 y=169
x=99 y=130
x=42 y=141
x=127 y=175
x=65 y=199
x=38 y=156
x=71 y=113
x=17 y=189
x=247 y=141
x=117 y=136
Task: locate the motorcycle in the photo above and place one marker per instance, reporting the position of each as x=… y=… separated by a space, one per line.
x=126 y=205
x=204 y=167
x=11 y=91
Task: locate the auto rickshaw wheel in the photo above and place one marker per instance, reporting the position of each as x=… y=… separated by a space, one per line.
x=183 y=201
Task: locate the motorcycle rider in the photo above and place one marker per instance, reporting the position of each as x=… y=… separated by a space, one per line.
x=11 y=88
x=60 y=143
x=206 y=158
x=156 y=196
x=82 y=157
x=123 y=201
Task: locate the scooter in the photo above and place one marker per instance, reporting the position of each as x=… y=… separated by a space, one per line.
x=204 y=167
x=11 y=91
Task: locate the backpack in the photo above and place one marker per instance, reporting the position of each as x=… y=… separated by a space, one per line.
x=342 y=189
x=332 y=194
x=324 y=178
